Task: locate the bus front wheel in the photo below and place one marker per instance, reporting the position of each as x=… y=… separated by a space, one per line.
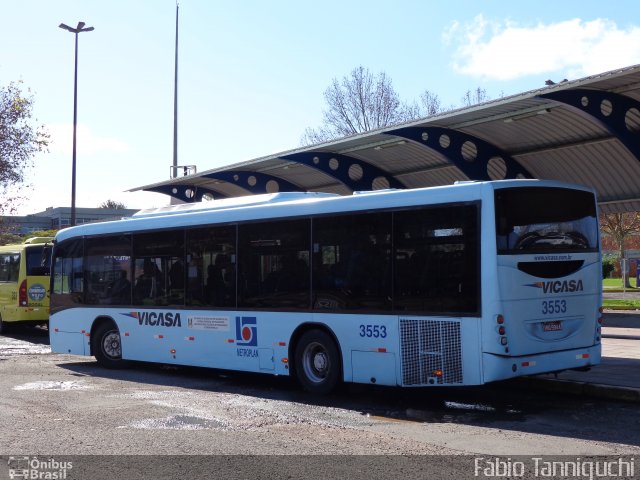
x=106 y=345
x=317 y=362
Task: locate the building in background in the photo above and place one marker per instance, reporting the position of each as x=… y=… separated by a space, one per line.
x=60 y=217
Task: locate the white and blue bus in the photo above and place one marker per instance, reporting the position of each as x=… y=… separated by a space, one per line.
x=454 y=285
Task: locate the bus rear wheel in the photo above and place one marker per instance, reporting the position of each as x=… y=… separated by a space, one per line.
x=317 y=362
x=106 y=345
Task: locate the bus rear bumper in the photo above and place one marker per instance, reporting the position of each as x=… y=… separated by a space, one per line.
x=497 y=367
x=26 y=314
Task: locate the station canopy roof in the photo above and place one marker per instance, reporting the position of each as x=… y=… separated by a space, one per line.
x=584 y=131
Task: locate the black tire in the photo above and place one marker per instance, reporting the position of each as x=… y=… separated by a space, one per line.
x=106 y=345
x=317 y=362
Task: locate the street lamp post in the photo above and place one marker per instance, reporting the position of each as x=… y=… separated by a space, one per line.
x=80 y=28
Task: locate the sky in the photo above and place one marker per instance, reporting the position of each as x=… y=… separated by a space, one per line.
x=252 y=73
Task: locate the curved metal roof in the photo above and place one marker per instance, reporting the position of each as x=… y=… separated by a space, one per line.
x=584 y=131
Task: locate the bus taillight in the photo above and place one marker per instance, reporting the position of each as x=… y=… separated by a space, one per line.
x=502 y=330
x=22 y=294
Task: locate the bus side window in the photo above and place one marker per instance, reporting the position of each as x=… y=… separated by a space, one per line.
x=211 y=276
x=274 y=264
x=443 y=272
x=352 y=262
x=107 y=264
x=149 y=287
x=155 y=255
x=69 y=280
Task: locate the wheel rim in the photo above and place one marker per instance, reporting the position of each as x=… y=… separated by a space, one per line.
x=111 y=345
x=315 y=362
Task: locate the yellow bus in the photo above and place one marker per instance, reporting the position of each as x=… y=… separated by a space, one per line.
x=24 y=282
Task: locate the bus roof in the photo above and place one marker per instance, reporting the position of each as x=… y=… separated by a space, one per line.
x=247 y=200
x=32 y=240
x=295 y=204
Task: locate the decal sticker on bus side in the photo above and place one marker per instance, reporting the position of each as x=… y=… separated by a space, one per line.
x=156 y=319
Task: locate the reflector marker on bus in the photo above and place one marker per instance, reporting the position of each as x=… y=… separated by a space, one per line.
x=381 y=350
x=126 y=334
x=528 y=364
x=280 y=344
x=582 y=355
x=190 y=338
x=231 y=340
x=158 y=337
x=285 y=360
x=56 y=330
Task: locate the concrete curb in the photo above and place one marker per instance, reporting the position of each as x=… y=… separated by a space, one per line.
x=621 y=337
x=596 y=390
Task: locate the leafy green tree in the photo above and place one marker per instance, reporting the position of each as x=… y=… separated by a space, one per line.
x=7 y=238
x=40 y=233
x=20 y=140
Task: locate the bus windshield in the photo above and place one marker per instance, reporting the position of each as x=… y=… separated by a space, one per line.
x=545 y=219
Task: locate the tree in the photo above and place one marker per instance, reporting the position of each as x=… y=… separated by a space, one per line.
x=620 y=226
x=40 y=233
x=364 y=101
x=20 y=140
x=430 y=104
x=360 y=102
x=8 y=238
x=112 y=204
x=473 y=97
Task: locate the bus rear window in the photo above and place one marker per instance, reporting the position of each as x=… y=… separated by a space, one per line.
x=539 y=219
x=9 y=267
x=38 y=260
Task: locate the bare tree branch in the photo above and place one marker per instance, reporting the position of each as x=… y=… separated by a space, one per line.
x=363 y=101
x=358 y=103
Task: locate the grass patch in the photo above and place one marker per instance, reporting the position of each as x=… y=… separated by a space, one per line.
x=621 y=304
x=616 y=283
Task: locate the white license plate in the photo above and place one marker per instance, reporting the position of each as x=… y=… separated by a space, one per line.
x=552 y=326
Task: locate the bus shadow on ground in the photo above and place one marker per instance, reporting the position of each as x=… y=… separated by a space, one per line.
x=500 y=406
x=36 y=334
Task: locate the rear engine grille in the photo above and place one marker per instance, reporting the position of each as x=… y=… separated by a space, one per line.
x=429 y=347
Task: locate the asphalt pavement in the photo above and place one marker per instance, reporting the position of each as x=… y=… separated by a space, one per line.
x=618 y=375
